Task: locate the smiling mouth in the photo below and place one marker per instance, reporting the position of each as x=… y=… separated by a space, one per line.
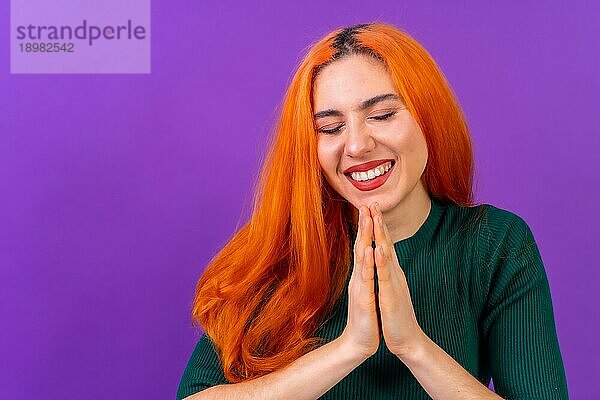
x=366 y=176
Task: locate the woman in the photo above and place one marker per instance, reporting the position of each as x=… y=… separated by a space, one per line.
x=365 y=270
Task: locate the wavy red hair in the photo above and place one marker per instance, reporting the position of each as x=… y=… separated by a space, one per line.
x=262 y=298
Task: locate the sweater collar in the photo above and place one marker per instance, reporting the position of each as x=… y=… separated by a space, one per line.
x=406 y=248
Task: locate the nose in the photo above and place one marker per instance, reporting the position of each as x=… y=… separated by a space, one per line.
x=359 y=140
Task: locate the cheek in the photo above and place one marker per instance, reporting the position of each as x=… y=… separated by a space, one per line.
x=418 y=145
x=405 y=134
x=408 y=140
x=328 y=157
x=322 y=158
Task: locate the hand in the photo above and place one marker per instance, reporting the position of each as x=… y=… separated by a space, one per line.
x=401 y=330
x=362 y=328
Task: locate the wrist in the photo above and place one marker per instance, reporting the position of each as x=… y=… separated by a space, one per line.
x=349 y=350
x=417 y=351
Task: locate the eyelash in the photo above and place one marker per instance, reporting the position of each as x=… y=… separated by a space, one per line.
x=377 y=117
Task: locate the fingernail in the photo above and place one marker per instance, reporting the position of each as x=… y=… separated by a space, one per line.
x=377 y=207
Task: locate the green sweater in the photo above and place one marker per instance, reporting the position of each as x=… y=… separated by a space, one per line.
x=479 y=290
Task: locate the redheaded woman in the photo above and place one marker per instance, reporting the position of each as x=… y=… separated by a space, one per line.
x=365 y=270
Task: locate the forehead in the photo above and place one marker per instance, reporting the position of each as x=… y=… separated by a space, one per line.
x=349 y=81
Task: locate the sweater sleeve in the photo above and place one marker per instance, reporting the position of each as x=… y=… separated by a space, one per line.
x=518 y=320
x=203 y=369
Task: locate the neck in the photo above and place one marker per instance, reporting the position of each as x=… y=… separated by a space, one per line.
x=408 y=216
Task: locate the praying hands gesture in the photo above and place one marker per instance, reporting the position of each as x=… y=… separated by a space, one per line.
x=390 y=311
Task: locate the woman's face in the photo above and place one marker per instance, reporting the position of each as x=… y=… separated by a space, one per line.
x=360 y=119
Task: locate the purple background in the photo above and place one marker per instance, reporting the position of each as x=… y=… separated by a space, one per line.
x=118 y=189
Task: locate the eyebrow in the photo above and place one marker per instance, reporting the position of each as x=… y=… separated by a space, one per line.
x=362 y=106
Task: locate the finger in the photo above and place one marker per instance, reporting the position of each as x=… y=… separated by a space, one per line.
x=369 y=261
x=358 y=249
x=363 y=239
x=367 y=285
x=368 y=268
x=358 y=234
x=367 y=234
x=383 y=246
x=382 y=235
x=385 y=228
x=391 y=253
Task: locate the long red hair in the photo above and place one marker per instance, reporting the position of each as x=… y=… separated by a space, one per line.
x=264 y=295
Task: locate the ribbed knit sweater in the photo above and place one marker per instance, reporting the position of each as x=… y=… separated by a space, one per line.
x=479 y=290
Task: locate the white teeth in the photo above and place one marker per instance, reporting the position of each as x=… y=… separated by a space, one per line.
x=372 y=173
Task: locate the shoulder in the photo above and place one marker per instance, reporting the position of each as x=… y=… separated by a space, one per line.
x=492 y=232
x=504 y=251
x=499 y=219
x=503 y=231
x=489 y=225
x=507 y=252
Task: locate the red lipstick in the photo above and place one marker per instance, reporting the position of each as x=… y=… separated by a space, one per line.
x=371 y=183
x=365 y=166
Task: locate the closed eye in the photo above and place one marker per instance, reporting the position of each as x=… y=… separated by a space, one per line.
x=375 y=117
x=384 y=116
x=328 y=131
